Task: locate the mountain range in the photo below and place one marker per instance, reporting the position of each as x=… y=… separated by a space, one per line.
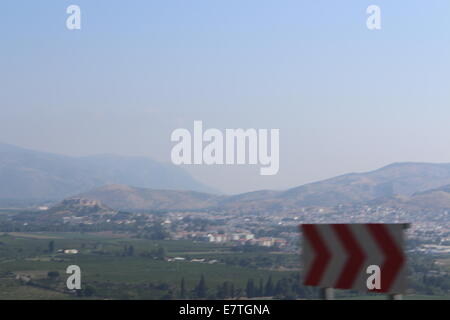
x=139 y=183
x=409 y=185
x=27 y=175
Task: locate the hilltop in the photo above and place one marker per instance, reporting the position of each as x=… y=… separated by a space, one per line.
x=132 y=198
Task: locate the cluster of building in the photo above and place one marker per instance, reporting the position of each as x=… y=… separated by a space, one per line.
x=240 y=238
x=280 y=229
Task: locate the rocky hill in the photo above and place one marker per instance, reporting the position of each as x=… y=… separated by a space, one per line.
x=80 y=207
x=134 y=199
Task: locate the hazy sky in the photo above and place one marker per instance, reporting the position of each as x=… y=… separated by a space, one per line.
x=344 y=98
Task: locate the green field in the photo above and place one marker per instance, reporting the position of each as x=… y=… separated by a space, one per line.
x=117 y=266
x=113 y=275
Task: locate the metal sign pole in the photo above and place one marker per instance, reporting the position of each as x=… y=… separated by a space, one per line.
x=327 y=293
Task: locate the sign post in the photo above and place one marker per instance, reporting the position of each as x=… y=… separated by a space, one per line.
x=327 y=293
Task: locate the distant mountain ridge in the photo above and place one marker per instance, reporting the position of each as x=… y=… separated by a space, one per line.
x=394 y=179
x=27 y=174
x=399 y=184
x=138 y=183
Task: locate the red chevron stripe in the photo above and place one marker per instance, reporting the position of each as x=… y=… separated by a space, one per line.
x=355 y=259
x=322 y=255
x=394 y=257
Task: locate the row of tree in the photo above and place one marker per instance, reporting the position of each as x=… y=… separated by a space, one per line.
x=285 y=288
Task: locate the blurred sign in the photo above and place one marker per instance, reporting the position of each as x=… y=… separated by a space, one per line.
x=343 y=256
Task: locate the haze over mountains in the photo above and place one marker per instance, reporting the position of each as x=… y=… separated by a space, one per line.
x=33 y=175
x=136 y=183
x=409 y=185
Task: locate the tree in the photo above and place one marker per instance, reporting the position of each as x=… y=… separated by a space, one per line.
x=88 y=291
x=161 y=253
x=260 y=292
x=201 y=288
x=157 y=232
x=250 y=290
x=227 y=289
x=232 y=291
x=268 y=290
x=182 y=289
x=224 y=290
x=130 y=252
x=51 y=246
x=283 y=289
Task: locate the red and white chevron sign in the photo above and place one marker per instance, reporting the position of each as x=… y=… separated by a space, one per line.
x=337 y=255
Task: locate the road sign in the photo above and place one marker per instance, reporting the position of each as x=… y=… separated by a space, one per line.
x=339 y=255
